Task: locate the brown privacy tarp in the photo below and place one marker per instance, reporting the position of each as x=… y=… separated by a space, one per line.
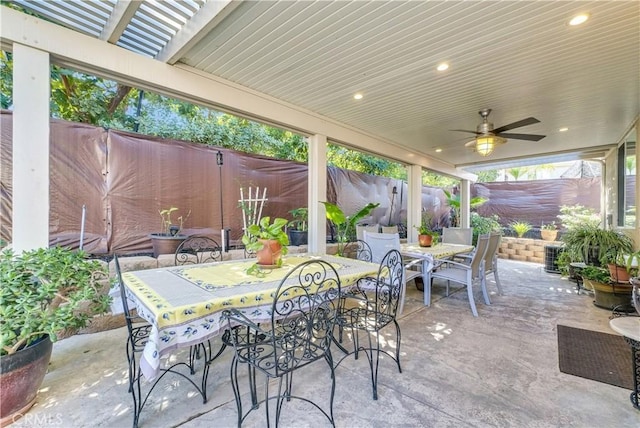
x=538 y=201
x=124 y=179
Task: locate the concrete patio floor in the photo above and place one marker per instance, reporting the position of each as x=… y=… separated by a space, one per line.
x=497 y=370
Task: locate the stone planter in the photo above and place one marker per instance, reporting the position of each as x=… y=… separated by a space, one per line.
x=611 y=296
x=165 y=244
x=21 y=375
x=548 y=235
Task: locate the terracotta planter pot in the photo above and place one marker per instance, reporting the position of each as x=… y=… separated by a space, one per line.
x=549 y=235
x=270 y=254
x=425 y=240
x=619 y=273
x=164 y=244
x=21 y=375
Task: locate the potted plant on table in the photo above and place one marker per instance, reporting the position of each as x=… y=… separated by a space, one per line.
x=426 y=236
x=268 y=240
x=168 y=240
x=44 y=293
x=298 y=227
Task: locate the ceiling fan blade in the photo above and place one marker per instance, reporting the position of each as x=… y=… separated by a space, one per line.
x=529 y=137
x=518 y=124
x=466 y=130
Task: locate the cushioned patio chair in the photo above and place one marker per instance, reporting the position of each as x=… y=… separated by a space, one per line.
x=466 y=273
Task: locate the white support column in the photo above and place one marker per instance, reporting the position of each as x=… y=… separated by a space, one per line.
x=636 y=232
x=317 y=189
x=465 y=203
x=414 y=201
x=31 y=89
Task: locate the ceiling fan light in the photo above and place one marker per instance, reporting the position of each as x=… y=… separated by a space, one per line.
x=487 y=143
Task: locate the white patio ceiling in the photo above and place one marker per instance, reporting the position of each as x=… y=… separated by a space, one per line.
x=520 y=59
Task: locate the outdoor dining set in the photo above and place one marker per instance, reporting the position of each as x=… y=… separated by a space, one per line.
x=278 y=320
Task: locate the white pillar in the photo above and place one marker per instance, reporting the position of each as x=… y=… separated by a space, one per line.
x=414 y=201
x=317 y=191
x=465 y=203
x=31 y=89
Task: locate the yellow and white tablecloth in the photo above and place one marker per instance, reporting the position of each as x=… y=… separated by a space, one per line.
x=428 y=256
x=184 y=304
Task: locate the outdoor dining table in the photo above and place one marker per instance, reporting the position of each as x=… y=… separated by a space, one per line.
x=184 y=304
x=429 y=255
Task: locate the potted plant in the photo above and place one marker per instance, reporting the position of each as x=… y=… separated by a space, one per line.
x=608 y=294
x=345 y=225
x=595 y=246
x=268 y=240
x=168 y=240
x=548 y=231
x=520 y=228
x=44 y=293
x=298 y=227
x=426 y=236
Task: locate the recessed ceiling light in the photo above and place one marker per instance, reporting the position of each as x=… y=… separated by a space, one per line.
x=442 y=66
x=579 y=19
x=438 y=150
x=358 y=96
x=563 y=129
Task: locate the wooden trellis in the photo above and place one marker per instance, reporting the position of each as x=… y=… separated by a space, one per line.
x=252 y=206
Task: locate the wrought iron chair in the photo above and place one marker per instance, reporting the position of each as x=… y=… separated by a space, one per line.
x=357 y=250
x=380 y=244
x=303 y=316
x=466 y=273
x=197 y=249
x=371 y=305
x=138 y=335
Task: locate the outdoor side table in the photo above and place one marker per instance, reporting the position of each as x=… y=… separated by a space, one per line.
x=629 y=328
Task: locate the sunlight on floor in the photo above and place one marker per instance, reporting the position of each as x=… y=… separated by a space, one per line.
x=439 y=331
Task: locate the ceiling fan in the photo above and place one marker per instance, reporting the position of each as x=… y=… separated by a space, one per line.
x=487 y=138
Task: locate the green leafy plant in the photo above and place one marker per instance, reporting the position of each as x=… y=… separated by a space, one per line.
x=425 y=228
x=300 y=219
x=266 y=230
x=454 y=202
x=595 y=246
x=578 y=216
x=520 y=227
x=483 y=225
x=595 y=273
x=169 y=228
x=345 y=225
x=48 y=291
